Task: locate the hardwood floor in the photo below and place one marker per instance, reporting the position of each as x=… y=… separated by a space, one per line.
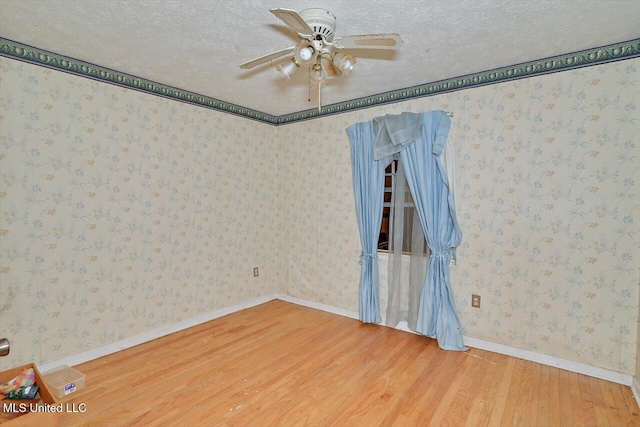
x=283 y=364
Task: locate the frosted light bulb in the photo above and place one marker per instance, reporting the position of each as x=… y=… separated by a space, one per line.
x=305 y=53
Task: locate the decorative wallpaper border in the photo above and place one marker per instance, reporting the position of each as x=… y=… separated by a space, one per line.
x=584 y=58
x=34 y=55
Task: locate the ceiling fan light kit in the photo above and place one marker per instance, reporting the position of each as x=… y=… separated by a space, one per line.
x=318 y=48
x=306 y=53
x=287 y=69
x=344 y=62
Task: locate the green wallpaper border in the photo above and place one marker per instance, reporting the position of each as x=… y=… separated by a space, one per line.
x=34 y=55
x=584 y=58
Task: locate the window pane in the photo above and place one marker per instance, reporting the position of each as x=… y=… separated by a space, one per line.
x=383 y=240
x=407 y=211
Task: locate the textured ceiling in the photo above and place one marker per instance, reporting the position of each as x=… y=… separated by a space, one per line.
x=197 y=45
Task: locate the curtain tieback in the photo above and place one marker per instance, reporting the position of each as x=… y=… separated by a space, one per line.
x=441 y=254
x=367 y=256
x=450 y=254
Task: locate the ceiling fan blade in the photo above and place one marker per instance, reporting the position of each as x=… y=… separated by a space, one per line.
x=267 y=58
x=369 y=41
x=293 y=20
x=329 y=70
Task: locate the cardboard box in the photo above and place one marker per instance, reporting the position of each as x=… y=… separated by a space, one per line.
x=18 y=418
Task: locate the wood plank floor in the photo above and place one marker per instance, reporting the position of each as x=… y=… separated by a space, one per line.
x=280 y=364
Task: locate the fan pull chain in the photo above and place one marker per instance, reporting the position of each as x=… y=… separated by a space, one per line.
x=309 y=100
x=319 y=93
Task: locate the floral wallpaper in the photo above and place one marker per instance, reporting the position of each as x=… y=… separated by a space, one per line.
x=121 y=212
x=637 y=373
x=548 y=201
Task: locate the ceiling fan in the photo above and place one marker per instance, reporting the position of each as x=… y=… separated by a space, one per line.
x=318 y=49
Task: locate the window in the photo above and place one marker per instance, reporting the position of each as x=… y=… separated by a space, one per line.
x=385 y=241
x=389 y=177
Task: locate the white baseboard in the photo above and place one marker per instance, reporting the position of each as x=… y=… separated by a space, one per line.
x=568 y=365
x=544 y=359
x=95 y=353
x=635 y=387
x=319 y=306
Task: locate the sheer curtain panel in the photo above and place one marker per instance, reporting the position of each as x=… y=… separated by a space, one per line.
x=408 y=256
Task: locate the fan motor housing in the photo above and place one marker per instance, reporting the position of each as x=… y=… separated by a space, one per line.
x=321 y=21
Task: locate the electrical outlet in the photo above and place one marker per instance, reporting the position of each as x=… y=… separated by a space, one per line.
x=475 y=301
x=255 y=271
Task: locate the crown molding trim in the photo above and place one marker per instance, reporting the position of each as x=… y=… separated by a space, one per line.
x=585 y=58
